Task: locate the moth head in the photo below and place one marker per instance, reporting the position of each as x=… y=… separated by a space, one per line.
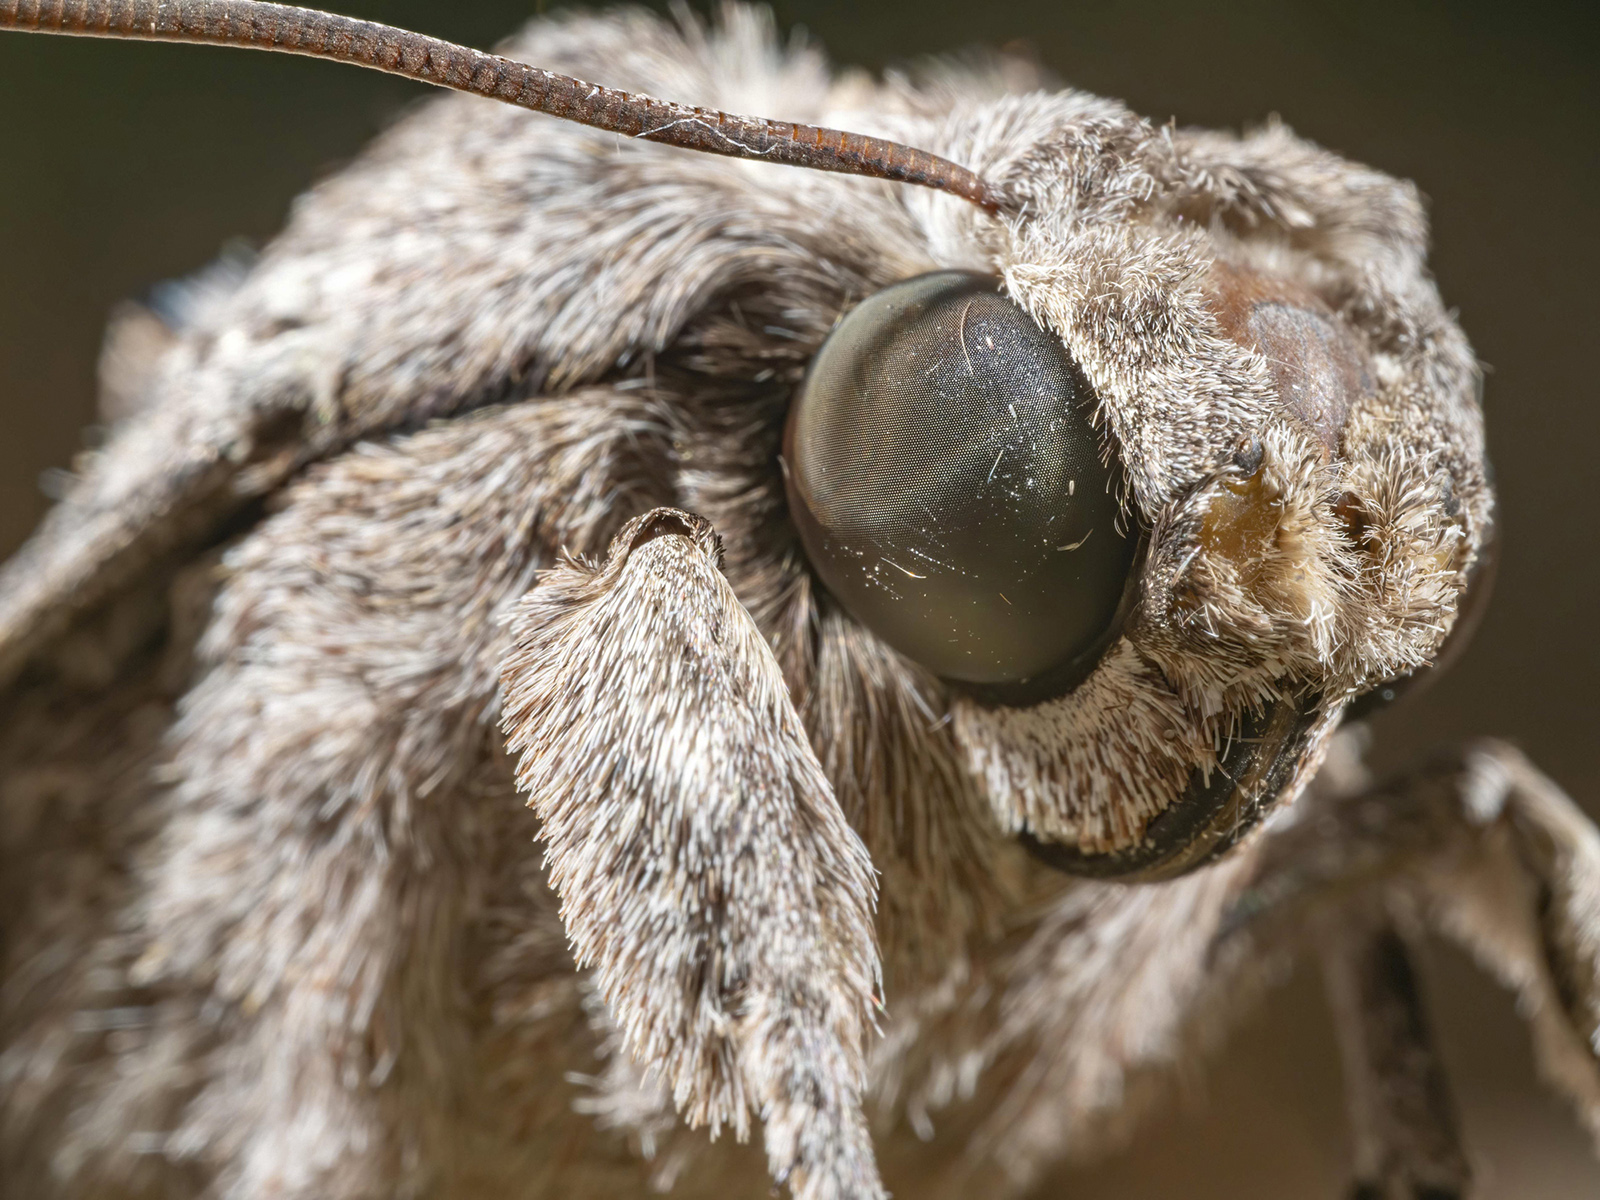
x=1190 y=463
x=1155 y=452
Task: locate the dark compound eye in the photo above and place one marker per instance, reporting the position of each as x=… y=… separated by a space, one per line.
x=949 y=486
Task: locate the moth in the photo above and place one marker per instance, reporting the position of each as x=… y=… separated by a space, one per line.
x=583 y=644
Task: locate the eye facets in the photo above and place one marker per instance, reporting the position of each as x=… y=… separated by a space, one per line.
x=949 y=486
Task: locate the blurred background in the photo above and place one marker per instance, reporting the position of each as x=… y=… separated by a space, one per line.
x=123 y=165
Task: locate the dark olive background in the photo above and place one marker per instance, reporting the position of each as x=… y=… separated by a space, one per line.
x=123 y=165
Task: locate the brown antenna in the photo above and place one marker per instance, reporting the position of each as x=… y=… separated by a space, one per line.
x=318 y=34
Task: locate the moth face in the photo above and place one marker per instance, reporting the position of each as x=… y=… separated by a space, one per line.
x=1189 y=460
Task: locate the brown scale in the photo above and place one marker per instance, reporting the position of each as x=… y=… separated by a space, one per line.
x=1316 y=362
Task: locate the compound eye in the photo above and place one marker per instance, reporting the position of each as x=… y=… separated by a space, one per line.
x=950 y=488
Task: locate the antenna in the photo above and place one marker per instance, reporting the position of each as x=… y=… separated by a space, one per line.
x=262 y=26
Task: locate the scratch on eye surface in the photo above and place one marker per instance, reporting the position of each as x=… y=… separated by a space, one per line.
x=962 y=335
x=1079 y=542
x=932 y=561
x=996 y=466
x=902 y=570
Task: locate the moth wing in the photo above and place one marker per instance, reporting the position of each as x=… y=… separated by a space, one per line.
x=705 y=868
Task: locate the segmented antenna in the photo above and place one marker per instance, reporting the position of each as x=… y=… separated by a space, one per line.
x=262 y=26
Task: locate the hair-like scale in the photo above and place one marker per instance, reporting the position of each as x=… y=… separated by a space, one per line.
x=391 y=546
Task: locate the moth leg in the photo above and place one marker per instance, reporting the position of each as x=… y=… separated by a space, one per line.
x=1487 y=851
x=706 y=871
x=1407 y=1139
